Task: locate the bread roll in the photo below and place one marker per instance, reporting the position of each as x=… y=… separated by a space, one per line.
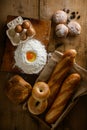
x=18 y=89
x=60 y=17
x=74 y=28
x=61 y=30
x=60 y=72
x=62 y=98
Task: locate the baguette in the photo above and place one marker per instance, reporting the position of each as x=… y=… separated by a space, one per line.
x=62 y=98
x=60 y=72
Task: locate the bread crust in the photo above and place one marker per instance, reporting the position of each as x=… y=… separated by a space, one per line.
x=40 y=91
x=60 y=72
x=67 y=89
x=18 y=89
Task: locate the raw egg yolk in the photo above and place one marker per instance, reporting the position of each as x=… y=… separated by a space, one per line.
x=31 y=56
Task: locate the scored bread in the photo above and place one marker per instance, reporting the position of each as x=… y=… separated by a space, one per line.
x=66 y=91
x=60 y=72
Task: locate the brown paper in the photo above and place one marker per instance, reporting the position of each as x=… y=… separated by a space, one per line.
x=82 y=89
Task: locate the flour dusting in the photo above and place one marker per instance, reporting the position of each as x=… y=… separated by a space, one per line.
x=61 y=30
x=25 y=65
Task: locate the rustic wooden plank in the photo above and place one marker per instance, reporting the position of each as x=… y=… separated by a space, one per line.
x=25 y=8
x=11 y=116
x=42 y=28
x=47 y=8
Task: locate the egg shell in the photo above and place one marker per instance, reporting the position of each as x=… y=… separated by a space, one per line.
x=30 y=31
x=23 y=36
x=18 y=28
x=26 y=24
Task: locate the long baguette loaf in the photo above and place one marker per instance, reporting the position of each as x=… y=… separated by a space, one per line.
x=62 y=98
x=59 y=74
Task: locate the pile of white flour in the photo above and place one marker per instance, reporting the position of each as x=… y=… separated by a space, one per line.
x=25 y=65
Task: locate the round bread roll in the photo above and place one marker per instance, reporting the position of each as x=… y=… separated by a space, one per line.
x=74 y=28
x=60 y=17
x=40 y=91
x=61 y=30
x=18 y=89
x=36 y=107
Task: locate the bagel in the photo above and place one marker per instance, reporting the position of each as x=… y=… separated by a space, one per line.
x=36 y=107
x=40 y=91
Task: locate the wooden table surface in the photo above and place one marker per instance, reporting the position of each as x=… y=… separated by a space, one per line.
x=12 y=117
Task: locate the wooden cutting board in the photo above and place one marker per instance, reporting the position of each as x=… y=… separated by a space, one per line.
x=42 y=28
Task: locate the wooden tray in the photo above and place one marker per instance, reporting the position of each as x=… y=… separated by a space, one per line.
x=42 y=28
